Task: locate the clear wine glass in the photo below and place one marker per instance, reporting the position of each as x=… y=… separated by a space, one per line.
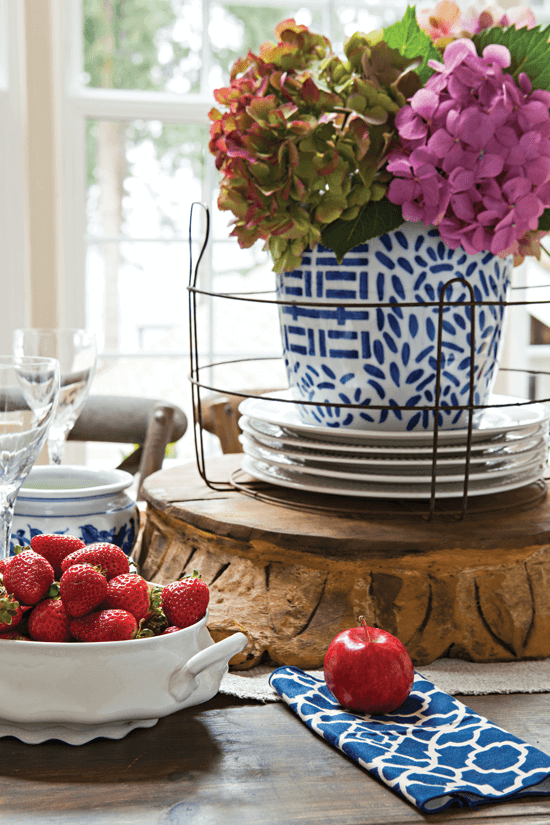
x=29 y=390
x=75 y=349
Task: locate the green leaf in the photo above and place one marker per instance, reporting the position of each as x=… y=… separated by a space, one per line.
x=409 y=40
x=374 y=219
x=544 y=221
x=54 y=591
x=529 y=49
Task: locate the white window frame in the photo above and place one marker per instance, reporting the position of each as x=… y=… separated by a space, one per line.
x=80 y=104
x=14 y=279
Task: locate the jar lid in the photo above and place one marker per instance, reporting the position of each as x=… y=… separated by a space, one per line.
x=72 y=481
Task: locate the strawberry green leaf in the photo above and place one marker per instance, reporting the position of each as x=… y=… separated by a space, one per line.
x=529 y=50
x=409 y=40
x=54 y=592
x=374 y=219
x=8 y=609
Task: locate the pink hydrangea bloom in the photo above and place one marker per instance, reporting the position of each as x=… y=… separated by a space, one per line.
x=475 y=21
x=421 y=192
x=445 y=20
x=473 y=155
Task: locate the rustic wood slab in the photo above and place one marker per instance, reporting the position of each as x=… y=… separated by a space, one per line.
x=227 y=763
x=477 y=588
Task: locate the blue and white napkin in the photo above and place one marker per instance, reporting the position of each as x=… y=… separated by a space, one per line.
x=433 y=750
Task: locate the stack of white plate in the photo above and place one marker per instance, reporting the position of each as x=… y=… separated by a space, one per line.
x=509 y=449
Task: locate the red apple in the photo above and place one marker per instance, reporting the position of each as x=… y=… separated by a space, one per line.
x=368 y=670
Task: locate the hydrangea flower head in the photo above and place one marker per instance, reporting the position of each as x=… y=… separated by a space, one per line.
x=446 y=22
x=473 y=155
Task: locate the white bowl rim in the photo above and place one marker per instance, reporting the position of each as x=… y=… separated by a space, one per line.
x=102 y=647
x=101 y=481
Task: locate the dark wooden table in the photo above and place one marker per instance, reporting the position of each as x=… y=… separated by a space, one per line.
x=228 y=762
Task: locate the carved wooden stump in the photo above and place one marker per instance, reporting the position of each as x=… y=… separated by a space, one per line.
x=476 y=589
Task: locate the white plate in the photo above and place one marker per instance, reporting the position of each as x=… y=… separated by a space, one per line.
x=415 y=457
x=319 y=484
x=512 y=443
x=407 y=473
x=492 y=422
x=36 y=733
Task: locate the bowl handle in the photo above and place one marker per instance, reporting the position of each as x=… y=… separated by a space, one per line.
x=183 y=680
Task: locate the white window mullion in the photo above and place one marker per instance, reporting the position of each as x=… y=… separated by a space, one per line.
x=122 y=104
x=73 y=298
x=44 y=145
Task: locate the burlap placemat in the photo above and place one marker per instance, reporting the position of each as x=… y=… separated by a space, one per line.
x=450 y=675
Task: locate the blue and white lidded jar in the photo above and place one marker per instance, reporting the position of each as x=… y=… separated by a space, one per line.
x=91 y=504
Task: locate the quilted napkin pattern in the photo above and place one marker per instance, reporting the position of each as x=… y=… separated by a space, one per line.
x=433 y=750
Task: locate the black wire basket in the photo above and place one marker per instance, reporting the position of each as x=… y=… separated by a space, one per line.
x=238 y=480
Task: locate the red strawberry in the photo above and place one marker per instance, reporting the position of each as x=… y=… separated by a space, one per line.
x=82 y=588
x=3 y=563
x=49 y=622
x=28 y=576
x=104 y=626
x=184 y=602
x=55 y=547
x=107 y=556
x=130 y=592
x=13 y=634
x=171 y=629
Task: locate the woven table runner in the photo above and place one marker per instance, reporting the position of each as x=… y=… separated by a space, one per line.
x=453 y=676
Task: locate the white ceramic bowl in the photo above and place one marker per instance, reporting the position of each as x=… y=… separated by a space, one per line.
x=101 y=683
x=92 y=504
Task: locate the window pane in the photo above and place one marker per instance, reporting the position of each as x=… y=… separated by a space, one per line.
x=181 y=46
x=148 y=377
x=348 y=18
x=137 y=297
x=154 y=44
x=234 y=29
x=142 y=177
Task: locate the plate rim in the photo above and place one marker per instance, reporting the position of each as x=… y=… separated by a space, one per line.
x=494 y=444
x=521 y=480
x=390 y=457
x=537 y=456
x=265 y=403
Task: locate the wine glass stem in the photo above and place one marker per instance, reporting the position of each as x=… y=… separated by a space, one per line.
x=7 y=504
x=56 y=447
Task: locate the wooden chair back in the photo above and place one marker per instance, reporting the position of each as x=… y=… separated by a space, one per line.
x=220 y=416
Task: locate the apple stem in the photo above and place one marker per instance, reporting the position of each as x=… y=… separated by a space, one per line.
x=364 y=623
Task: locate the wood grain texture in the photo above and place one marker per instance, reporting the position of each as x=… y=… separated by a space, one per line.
x=476 y=589
x=230 y=763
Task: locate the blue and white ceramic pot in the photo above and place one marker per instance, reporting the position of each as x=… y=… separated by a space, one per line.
x=93 y=505
x=388 y=356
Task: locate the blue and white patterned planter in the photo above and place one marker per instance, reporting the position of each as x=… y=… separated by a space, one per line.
x=388 y=356
x=92 y=505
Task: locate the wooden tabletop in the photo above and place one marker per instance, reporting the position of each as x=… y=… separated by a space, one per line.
x=344 y=524
x=235 y=763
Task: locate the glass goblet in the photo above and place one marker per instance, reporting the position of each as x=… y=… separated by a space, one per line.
x=29 y=389
x=75 y=349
